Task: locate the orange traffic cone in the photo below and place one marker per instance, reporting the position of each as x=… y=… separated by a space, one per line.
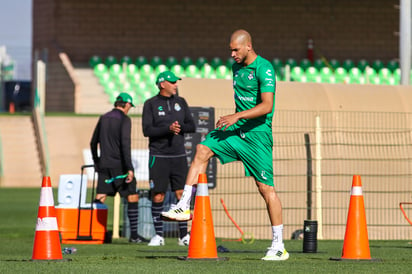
x=46 y=240
x=356 y=242
x=202 y=243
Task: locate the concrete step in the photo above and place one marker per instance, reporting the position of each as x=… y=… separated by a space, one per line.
x=92 y=99
x=21 y=164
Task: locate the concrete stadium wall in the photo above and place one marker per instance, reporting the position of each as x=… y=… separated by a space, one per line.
x=306 y=96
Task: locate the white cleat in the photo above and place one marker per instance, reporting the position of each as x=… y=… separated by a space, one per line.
x=185 y=240
x=176 y=214
x=156 y=241
x=276 y=255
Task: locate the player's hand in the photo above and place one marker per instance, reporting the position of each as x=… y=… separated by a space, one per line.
x=225 y=122
x=175 y=128
x=129 y=177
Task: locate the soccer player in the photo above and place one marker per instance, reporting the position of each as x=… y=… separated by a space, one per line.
x=245 y=136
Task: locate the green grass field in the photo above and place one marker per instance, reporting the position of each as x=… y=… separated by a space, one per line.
x=18 y=212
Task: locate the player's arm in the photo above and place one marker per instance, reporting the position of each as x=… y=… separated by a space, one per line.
x=261 y=109
x=267 y=87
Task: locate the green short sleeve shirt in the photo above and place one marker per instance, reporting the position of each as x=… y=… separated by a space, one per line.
x=248 y=83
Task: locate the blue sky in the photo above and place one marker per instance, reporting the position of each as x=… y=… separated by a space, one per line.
x=16 y=34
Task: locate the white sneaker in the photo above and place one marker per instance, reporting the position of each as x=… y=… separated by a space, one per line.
x=185 y=240
x=276 y=255
x=176 y=214
x=157 y=241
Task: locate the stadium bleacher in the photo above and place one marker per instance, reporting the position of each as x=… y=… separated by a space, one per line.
x=137 y=76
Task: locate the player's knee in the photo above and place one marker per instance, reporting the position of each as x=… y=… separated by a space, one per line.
x=158 y=197
x=134 y=198
x=203 y=153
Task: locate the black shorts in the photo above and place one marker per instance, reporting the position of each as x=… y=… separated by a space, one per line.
x=165 y=171
x=119 y=185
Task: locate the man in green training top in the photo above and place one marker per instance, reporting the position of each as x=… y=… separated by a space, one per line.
x=245 y=135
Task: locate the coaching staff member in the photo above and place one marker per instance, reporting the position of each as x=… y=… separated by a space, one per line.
x=113 y=136
x=165 y=119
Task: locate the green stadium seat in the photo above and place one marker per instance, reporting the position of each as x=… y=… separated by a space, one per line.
x=160 y=68
x=200 y=62
x=392 y=81
x=296 y=74
x=140 y=87
x=135 y=78
x=369 y=74
x=151 y=78
x=384 y=74
x=362 y=64
x=341 y=75
x=99 y=69
x=291 y=63
x=397 y=75
x=229 y=62
x=110 y=60
x=216 y=62
x=356 y=79
x=207 y=72
x=305 y=63
x=155 y=61
x=146 y=70
x=126 y=60
x=319 y=64
x=95 y=60
x=330 y=80
x=192 y=71
x=325 y=74
x=277 y=63
x=312 y=75
x=104 y=78
x=131 y=69
x=171 y=61
x=186 y=61
x=377 y=65
x=126 y=87
x=110 y=87
x=392 y=65
x=113 y=95
x=121 y=77
x=222 y=72
x=140 y=61
x=178 y=70
x=355 y=76
x=115 y=69
x=348 y=64
x=375 y=80
x=334 y=64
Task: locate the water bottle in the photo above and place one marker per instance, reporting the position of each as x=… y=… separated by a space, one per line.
x=69 y=250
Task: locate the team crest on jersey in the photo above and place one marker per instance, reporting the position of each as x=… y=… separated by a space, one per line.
x=177 y=107
x=250 y=76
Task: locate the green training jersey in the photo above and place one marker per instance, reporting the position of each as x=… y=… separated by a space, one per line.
x=248 y=83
